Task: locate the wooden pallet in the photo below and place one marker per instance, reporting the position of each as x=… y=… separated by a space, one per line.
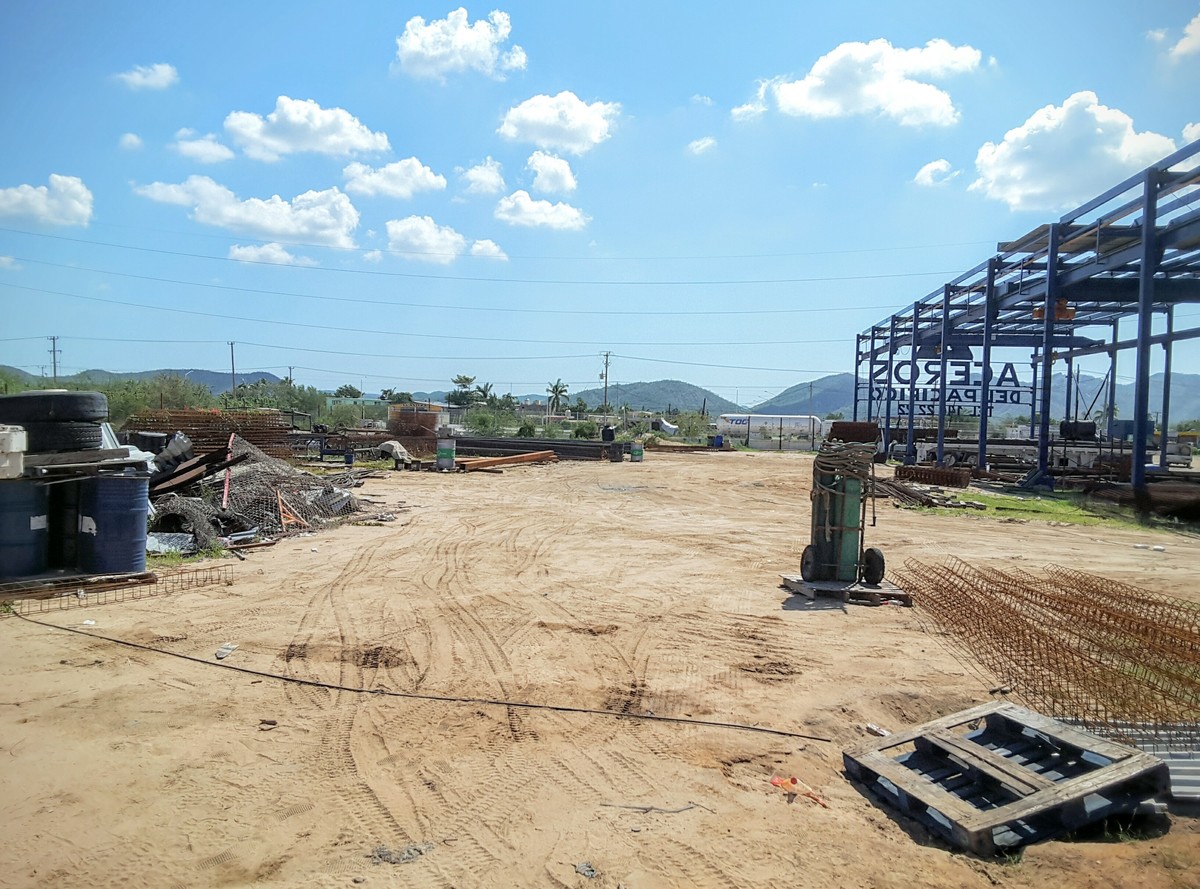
x=999 y=776
x=848 y=591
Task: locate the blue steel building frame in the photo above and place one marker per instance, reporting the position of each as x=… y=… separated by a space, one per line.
x=1131 y=252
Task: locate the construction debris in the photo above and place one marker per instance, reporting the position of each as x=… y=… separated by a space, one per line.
x=945 y=477
x=475 y=464
x=209 y=430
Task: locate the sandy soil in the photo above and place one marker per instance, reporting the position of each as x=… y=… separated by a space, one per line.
x=639 y=588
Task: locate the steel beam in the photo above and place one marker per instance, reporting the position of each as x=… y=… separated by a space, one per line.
x=1165 y=420
x=1051 y=309
x=1141 y=386
x=985 y=389
x=910 y=450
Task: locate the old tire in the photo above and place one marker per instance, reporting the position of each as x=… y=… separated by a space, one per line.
x=46 y=407
x=62 y=436
x=809 y=569
x=872 y=566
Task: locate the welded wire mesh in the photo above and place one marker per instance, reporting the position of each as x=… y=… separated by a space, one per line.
x=1109 y=656
x=67 y=597
x=260 y=492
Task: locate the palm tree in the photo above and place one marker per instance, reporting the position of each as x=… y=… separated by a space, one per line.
x=483 y=392
x=557 y=392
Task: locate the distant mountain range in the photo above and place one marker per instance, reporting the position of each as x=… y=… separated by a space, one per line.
x=830 y=394
x=216 y=381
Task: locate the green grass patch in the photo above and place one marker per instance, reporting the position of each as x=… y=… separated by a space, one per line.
x=1045 y=507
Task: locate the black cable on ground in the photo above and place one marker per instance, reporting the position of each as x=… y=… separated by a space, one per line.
x=450 y=699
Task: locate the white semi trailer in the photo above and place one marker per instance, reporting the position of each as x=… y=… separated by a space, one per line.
x=770 y=425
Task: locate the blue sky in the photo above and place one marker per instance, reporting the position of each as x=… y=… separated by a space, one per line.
x=391 y=194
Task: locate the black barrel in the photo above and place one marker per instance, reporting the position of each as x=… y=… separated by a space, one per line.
x=23 y=528
x=112 y=524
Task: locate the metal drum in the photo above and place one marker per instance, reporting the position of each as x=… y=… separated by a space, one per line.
x=637 y=452
x=445 y=453
x=24 y=534
x=112 y=524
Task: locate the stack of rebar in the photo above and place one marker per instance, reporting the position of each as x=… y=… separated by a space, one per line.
x=1100 y=653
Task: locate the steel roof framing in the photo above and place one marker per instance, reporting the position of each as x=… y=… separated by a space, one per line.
x=1131 y=252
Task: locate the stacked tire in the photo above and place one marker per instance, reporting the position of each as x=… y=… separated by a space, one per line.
x=55 y=419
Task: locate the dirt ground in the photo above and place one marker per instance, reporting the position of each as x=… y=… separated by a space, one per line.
x=639 y=588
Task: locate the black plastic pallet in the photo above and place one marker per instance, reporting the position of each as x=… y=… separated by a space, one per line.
x=999 y=776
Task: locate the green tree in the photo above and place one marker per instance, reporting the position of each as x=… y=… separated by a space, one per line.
x=483 y=393
x=835 y=415
x=482 y=421
x=344 y=415
x=347 y=391
x=691 y=424
x=394 y=396
x=586 y=429
x=461 y=395
x=579 y=408
x=558 y=394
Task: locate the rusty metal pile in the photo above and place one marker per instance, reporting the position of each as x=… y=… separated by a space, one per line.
x=209 y=430
x=1103 y=654
x=945 y=477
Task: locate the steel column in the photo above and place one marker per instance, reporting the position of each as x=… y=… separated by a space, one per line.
x=1112 y=381
x=1047 y=350
x=857 y=391
x=888 y=388
x=1034 y=361
x=945 y=346
x=1165 y=420
x=985 y=388
x=1141 y=386
x=1067 y=413
x=910 y=451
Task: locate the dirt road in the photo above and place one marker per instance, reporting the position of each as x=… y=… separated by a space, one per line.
x=646 y=589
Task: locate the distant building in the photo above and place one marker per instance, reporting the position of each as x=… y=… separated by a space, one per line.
x=332 y=400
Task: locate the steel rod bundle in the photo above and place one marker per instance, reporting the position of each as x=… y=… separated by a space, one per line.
x=1074 y=645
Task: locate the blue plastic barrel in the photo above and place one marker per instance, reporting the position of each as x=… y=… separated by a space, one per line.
x=24 y=534
x=112 y=524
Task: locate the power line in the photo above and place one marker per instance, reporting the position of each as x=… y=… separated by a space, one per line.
x=433 y=336
x=444 y=306
x=392 y=252
x=559 y=282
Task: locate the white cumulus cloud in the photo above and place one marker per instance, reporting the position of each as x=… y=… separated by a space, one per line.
x=275 y=254
x=421 y=238
x=701 y=145
x=1190 y=41
x=484 y=178
x=315 y=217
x=488 y=250
x=149 y=77
x=130 y=142
x=301 y=125
x=205 y=149
x=1065 y=154
x=1157 y=35
x=9 y=263
x=401 y=179
x=699 y=99
x=563 y=122
x=373 y=255
x=551 y=174
x=519 y=208
x=1191 y=132
x=65 y=201
x=936 y=172
x=872 y=78
x=453 y=44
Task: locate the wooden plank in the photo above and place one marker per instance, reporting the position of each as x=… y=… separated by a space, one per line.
x=1071 y=737
x=94 y=455
x=917 y=786
x=1075 y=789
x=474 y=463
x=907 y=737
x=1007 y=774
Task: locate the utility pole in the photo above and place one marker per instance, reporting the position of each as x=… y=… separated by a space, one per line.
x=232 y=373
x=54 y=355
x=291 y=382
x=607 y=356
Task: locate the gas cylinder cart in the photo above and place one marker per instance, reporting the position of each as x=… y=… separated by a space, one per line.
x=835 y=562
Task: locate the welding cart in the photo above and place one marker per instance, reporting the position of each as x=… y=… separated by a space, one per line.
x=842 y=475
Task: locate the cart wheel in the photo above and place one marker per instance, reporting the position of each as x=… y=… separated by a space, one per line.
x=872 y=566
x=808 y=564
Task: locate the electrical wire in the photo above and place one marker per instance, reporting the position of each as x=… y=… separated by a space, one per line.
x=450 y=307
x=430 y=336
x=419 y=696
